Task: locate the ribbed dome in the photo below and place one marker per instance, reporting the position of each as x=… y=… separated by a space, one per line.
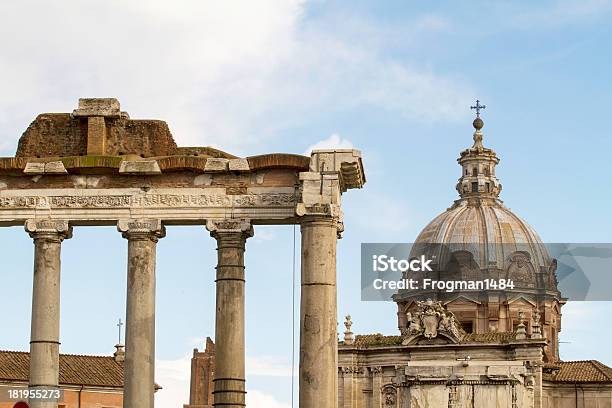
x=478 y=229
x=488 y=230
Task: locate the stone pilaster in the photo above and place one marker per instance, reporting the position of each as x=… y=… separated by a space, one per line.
x=142 y=236
x=229 y=381
x=44 y=341
x=318 y=311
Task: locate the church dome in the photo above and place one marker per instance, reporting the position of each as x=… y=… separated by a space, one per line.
x=478 y=222
x=479 y=239
x=488 y=230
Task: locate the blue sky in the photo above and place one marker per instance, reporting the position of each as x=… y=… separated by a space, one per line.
x=394 y=79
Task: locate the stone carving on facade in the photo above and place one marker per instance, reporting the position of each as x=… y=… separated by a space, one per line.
x=521 y=270
x=521 y=330
x=536 y=330
x=151 y=229
x=389 y=394
x=41 y=228
x=453 y=397
x=156 y=200
x=376 y=370
x=349 y=338
x=352 y=370
x=431 y=320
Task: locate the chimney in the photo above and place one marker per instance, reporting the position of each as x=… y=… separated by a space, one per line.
x=119 y=354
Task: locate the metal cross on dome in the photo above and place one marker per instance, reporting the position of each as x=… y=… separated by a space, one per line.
x=478 y=107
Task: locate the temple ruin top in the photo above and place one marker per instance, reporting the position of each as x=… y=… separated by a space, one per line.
x=99 y=135
x=97 y=165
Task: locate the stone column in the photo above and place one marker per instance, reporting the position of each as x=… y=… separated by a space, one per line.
x=318 y=316
x=139 y=368
x=44 y=341
x=229 y=382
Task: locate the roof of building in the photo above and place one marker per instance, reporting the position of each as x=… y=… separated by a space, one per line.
x=95 y=371
x=377 y=339
x=589 y=371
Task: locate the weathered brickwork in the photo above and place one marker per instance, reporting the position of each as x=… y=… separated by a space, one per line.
x=61 y=134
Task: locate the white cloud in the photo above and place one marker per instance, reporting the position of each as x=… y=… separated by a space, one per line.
x=174 y=376
x=268 y=366
x=332 y=142
x=258 y=399
x=231 y=74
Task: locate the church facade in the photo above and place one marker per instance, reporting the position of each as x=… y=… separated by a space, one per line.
x=476 y=349
x=470 y=349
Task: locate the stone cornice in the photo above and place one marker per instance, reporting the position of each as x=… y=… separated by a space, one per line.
x=179 y=162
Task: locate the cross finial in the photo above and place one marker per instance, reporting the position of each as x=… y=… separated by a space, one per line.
x=119 y=326
x=478 y=107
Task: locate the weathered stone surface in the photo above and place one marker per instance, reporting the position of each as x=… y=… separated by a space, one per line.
x=54 y=167
x=101 y=107
x=34 y=168
x=101 y=150
x=345 y=162
x=239 y=165
x=140 y=167
x=44 y=345
x=213 y=164
x=229 y=381
x=318 y=321
x=142 y=236
x=60 y=135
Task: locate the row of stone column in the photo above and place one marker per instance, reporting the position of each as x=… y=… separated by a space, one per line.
x=318 y=325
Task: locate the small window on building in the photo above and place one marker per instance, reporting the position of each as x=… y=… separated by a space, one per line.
x=474 y=172
x=468 y=326
x=488 y=187
x=474 y=187
x=486 y=171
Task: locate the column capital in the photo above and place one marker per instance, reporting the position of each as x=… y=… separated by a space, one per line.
x=56 y=230
x=317 y=213
x=141 y=229
x=230 y=227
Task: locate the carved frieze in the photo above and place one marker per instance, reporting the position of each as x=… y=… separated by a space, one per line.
x=352 y=370
x=155 y=200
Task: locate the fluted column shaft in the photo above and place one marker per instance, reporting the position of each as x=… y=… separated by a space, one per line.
x=318 y=315
x=139 y=368
x=44 y=341
x=229 y=382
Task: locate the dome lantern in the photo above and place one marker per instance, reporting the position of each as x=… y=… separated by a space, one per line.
x=478 y=165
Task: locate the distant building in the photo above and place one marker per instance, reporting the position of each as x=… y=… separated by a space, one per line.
x=87 y=381
x=477 y=349
x=202 y=375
